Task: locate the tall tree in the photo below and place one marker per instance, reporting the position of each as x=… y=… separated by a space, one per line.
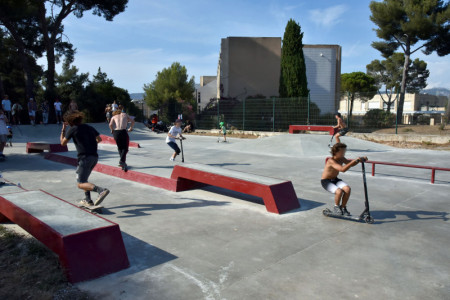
x=50 y=22
x=407 y=24
x=293 y=81
x=170 y=90
x=358 y=84
x=388 y=75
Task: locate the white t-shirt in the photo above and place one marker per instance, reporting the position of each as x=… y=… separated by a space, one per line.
x=115 y=107
x=3 y=129
x=175 y=131
x=6 y=105
x=58 y=106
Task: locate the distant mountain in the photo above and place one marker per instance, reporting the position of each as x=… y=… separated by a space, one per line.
x=137 y=96
x=437 y=92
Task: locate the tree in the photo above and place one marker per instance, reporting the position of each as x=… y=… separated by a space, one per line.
x=388 y=74
x=358 y=84
x=170 y=91
x=403 y=24
x=50 y=23
x=293 y=81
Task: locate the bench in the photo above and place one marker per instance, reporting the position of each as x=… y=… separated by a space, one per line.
x=110 y=140
x=298 y=128
x=278 y=195
x=41 y=147
x=88 y=246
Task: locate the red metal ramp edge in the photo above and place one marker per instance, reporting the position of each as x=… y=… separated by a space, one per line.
x=41 y=147
x=84 y=255
x=297 y=128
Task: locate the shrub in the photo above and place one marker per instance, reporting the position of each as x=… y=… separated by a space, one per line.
x=378 y=118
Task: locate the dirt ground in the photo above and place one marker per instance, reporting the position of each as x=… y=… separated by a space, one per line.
x=417 y=129
x=31 y=271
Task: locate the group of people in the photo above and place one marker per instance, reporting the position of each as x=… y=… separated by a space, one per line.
x=13 y=110
x=110 y=109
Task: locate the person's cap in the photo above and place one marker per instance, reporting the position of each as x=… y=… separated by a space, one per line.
x=221 y=123
x=178 y=121
x=8 y=127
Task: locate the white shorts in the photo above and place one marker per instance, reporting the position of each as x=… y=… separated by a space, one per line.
x=331 y=185
x=32 y=113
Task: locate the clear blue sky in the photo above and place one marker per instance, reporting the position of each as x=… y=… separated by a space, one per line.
x=150 y=35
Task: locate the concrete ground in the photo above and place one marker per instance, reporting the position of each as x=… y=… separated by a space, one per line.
x=216 y=244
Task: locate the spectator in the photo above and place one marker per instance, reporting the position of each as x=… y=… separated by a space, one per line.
x=73 y=106
x=3 y=133
x=108 y=112
x=189 y=127
x=114 y=106
x=6 y=106
x=16 y=109
x=58 y=107
x=9 y=136
x=32 y=108
x=45 y=109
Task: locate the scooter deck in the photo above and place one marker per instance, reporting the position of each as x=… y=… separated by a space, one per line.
x=364 y=218
x=98 y=209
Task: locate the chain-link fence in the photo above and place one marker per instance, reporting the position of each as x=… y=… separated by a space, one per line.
x=276 y=114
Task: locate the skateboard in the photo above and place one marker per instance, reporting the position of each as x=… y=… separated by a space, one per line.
x=96 y=209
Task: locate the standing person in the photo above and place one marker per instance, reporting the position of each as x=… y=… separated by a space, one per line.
x=330 y=181
x=85 y=139
x=9 y=136
x=32 y=108
x=45 y=110
x=58 y=111
x=108 y=113
x=189 y=127
x=16 y=109
x=340 y=126
x=73 y=106
x=173 y=134
x=6 y=106
x=3 y=133
x=224 y=131
x=114 y=106
x=118 y=125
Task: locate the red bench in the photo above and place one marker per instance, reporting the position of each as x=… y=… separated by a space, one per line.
x=278 y=195
x=41 y=147
x=298 y=128
x=88 y=246
x=110 y=140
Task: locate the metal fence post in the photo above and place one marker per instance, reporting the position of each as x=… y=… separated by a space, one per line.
x=348 y=109
x=243 y=115
x=218 y=113
x=309 y=99
x=396 y=114
x=273 y=114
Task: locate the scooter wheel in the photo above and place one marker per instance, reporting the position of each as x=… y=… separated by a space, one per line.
x=326 y=212
x=369 y=220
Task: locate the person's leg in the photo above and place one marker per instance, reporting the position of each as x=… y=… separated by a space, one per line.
x=337 y=197
x=175 y=147
x=347 y=191
x=84 y=170
x=337 y=137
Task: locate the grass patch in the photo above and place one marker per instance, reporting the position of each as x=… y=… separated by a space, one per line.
x=407 y=130
x=31 y=271
x=427 y=143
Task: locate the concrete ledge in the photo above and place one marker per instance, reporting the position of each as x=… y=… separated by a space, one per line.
x=434 y=139
x=110 y=140
x=41 y=147
x=148 y=179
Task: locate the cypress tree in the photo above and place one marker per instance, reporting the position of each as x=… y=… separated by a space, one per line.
x=293 y=81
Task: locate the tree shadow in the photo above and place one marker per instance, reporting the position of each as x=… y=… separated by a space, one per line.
x=228 y=164
x=390 y=216
x=139 y=210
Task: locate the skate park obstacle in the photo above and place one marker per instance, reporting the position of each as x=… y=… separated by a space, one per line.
x=88 y=246
x=110 y=140
x=298 y=128
x=41 y=147
x=278 y=195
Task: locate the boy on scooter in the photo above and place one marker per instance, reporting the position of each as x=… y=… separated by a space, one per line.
x=332 y=183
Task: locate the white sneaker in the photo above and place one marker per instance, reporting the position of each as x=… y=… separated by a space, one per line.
x=172 y=159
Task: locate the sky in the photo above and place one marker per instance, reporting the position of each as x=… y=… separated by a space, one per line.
x=150 y=35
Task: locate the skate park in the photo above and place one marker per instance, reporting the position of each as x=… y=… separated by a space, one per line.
x=212 y=243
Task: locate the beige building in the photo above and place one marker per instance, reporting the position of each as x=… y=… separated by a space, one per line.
x=251 y=66
x=414 y=104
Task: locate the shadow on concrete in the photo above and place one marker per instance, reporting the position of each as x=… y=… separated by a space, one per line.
x=150 y=167
x=365 y=150
x=233 y=194
x=390 y=216
x=142 y=255
x=228 y=164
x=138 y=210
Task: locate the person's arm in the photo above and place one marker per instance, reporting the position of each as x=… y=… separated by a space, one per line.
x=63 y=138
x=343 y=169
x=132 y=123
x=98 y=139
x=111 y=123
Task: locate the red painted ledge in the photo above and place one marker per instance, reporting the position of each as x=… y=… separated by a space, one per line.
x=110 y=140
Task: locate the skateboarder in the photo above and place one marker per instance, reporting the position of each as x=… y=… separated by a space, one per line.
x=85 y=139
x=224 y=131
x=173 y=134
x=118 y=125
x=331 y=183
x=341 y=127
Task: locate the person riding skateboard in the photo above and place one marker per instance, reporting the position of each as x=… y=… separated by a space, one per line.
x=118 y=125
x=340 y=127
x=85 y=139
x=330 y=181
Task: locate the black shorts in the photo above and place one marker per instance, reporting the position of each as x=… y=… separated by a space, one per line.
x=85 y=167
x=174 y=146
x=343 y=131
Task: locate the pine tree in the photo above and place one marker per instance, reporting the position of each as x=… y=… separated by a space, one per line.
x=293 y=81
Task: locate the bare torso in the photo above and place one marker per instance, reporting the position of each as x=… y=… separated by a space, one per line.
x=330 y=171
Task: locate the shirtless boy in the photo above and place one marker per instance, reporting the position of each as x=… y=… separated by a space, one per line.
x=341 y=127
x=332 y=183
